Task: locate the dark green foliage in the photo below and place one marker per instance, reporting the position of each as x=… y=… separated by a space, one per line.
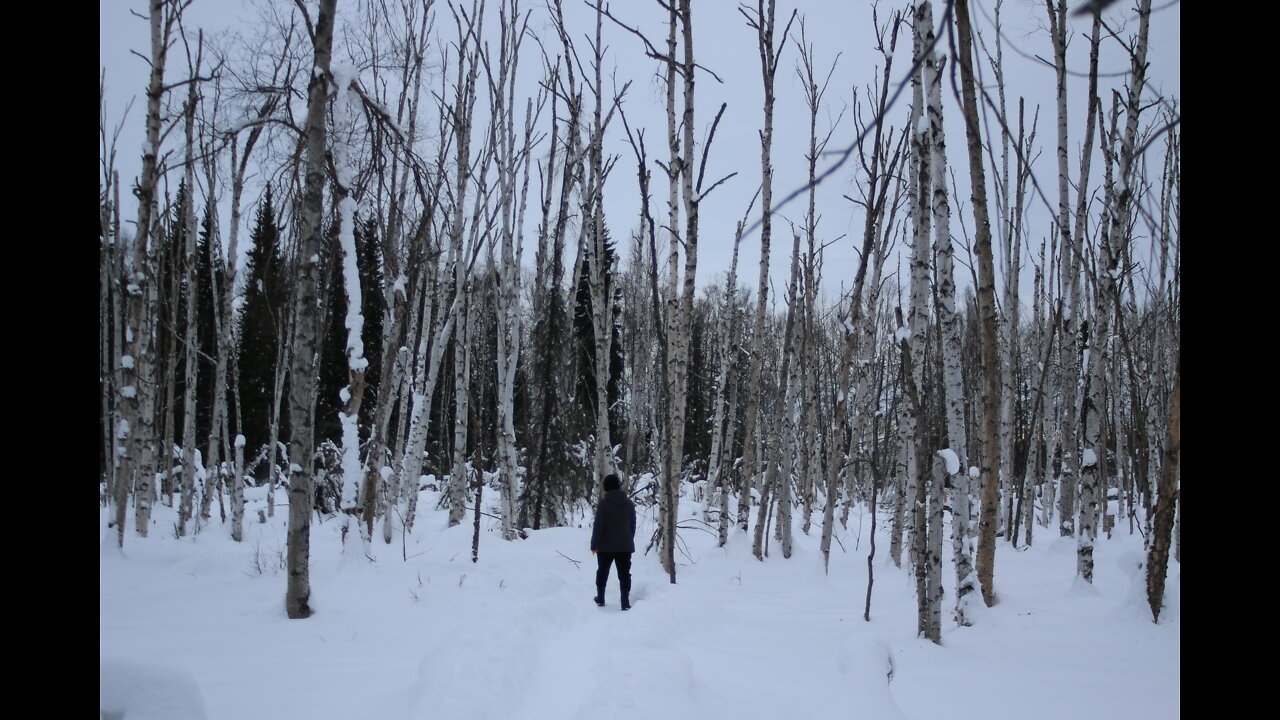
x=266 y=297
x=700 y=407
x=583 y=419
x=210 y=281
x=208 y=278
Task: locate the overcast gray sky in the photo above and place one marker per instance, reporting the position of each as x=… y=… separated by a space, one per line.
x=724 y=44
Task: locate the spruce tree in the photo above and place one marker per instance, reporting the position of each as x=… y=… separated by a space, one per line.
x=265 y=298
x=582 y=416
x=210 y=279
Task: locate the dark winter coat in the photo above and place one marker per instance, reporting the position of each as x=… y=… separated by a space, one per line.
x=615 y=527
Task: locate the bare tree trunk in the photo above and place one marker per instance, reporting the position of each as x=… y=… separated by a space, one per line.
x=1072 y=250
x=1167 y=503
x=722 y=425
x=511 y=209
x=134 y=429
x=811 y=461
x=459 y=118
x=107 y=298
x=989 y=460
x=284 y=358
x=782 y=469
x=459 y=478
x=1115 y=232
x=599 y=267
x=913 y=344
x=192 y=367
x=679 y=359
x=754 y=460
x=957 y=466
x=302 y=378
x=670 y=465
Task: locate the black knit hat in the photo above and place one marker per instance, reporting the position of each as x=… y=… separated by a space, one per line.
x=611 y=482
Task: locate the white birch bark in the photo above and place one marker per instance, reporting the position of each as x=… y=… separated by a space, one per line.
x=952 y=338
x=503 y=137
x=1115 y=229
x=754 y=453
x=432 y=344
x=237 y=491
x=670 y=465
x=782 y=469
x=1072 y=250
x=131 y=430
x=302 y=378
x=460 y=477
x=722 y=424
x=191 y=366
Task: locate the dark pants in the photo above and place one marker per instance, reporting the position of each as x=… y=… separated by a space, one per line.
x=603 y=560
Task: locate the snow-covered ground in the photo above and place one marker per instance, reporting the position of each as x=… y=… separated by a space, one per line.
x=196 y=628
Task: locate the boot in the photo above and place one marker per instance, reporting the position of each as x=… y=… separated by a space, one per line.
x=626 y=603
x=599 y=598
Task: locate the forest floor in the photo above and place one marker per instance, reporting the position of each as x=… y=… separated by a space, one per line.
x=195 y=627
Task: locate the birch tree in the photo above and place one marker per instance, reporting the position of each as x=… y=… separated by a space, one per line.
x=763 y=21
x=1166 y=502
x=989 y=456
x=432 y=333
x=722 y=431
x=1115 y=234
x=134 y=429
x=191 y=367
x=502 y=86
x=302 y=385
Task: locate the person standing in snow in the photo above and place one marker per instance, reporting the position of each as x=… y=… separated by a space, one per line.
x=613 y=539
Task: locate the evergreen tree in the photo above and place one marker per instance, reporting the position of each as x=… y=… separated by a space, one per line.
x=551 y=460
x=171 y=306
x=701 y=392
x=210 y=279
x=206 y=274
x=332 y=374
x=582 y=416
x=265 y=299
x=369 y=264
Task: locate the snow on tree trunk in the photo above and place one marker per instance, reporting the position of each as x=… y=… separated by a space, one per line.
x=353 y=394
x=1118 y=206
x=955 y=454
x=133 y=429
x=1073 y=259
x=237 y=492
x=191 y=365
x=305 y=345
x=427 y=371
